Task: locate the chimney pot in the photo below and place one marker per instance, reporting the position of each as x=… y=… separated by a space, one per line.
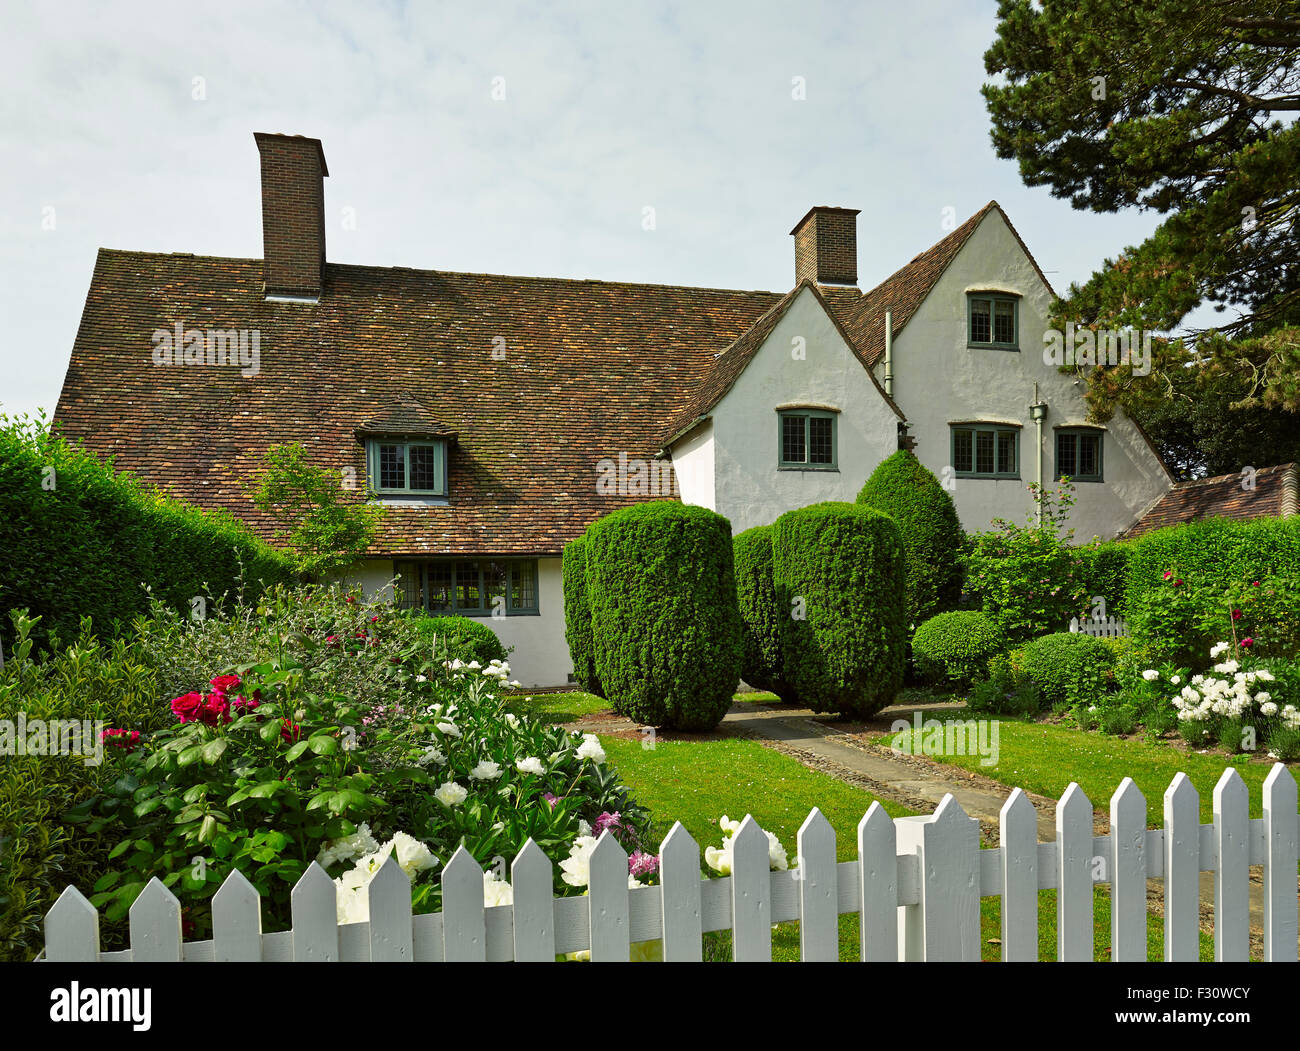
x=826 y=246
x=293 y=215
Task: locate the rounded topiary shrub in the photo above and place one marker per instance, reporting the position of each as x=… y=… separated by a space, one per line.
x=838 y=570
x=577 y=616
x=907 y=491
x=1068 y=667
x=664 y=621
x=762 y=665
x=464 y=637
x=956 y=647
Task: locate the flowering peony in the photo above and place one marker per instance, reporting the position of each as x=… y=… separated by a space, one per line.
x=361 y=842
x=576 y=868
x=530 y=765
x=591 y=749
x=496 y=891
x=486 y=770
x=451 y=794
x=1151 y=675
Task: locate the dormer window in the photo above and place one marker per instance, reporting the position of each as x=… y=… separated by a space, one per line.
x=993 y=320
x=806 y=440
x=407 y=468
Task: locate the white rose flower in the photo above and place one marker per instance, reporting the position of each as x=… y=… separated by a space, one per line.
x=451 y=794
x=1175 y=679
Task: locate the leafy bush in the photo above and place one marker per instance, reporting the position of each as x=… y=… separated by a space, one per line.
x=840 y=569
x=763 y=664
x=577 y=617
x=956 y=647
x=273 y=765
x=1027 y=578
x=1105 y=574
x=83 y=541
x=907 y=491
x=1005 y=692
x=664 y=618
x=465 y=638
x=1070 y=668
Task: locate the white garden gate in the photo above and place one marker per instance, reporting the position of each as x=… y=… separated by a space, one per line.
x=916 y=884
x=1100 y=627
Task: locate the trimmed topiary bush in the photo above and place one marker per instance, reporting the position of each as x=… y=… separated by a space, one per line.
x=577 y=616
x=465 y=637
x=763 y=665
x=1068 y=667
x=664 y=620
x=956 y=647
x=907 y=491
x=839 y=572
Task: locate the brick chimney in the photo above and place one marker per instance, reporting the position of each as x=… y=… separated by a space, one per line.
x=826 y=246
x=293 y=215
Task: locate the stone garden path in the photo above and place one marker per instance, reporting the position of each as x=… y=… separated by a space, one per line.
x=843 y=750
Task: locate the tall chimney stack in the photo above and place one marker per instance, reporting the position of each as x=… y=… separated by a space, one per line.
x=826 y=246
x=293 y=215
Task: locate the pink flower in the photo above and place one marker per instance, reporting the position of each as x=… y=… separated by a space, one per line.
x=1168 y=574
x=1247 y=642
x=642 y=864
x=125 y=739
x=1236 y=614
x=606 y=820
x=331 y=640
x=244 y=705
x=551 y=799
x=374 y=618
x=186 y=708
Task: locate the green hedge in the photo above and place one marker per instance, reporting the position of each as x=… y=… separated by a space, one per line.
x=956 y=647
x=840 y=569
x=81 y=540
x=664 y=618
x=465 y=638
x=1068 y=667
x=1216 y=552
x=577 y=617
x=1105 y=568
x=906 y=490
x=763 y=664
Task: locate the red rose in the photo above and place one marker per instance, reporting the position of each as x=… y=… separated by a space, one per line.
x=125 y=739
x=1236 y=614
x=290 y=732
x=1247 y=642
x=374 y=618
x=215 y=710
x=244 y=705
x=186 y=708
x=225 y=683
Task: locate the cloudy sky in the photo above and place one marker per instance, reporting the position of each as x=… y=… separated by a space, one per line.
x=502 y=138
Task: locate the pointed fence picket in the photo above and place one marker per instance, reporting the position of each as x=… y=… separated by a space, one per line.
x=916 y=884
x=1100 y=627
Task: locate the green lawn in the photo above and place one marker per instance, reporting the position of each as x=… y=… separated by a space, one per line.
x=565 y=707
x=1045 y=757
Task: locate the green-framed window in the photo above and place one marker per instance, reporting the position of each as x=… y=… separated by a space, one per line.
x=471 y=587
x=992 y=321
x=985 y=452
x=1079 y=454
x=806 y=440
x=410 y=468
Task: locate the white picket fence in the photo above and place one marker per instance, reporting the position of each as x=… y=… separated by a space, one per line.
x=1107 y=628
x=917 y=885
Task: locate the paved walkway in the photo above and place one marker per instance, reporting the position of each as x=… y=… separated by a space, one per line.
x=824 y=743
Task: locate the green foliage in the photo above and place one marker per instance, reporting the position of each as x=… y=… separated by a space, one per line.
x=839 y=572
x=1180 y=118
x=956 y=647
x=83 y=541
x=1070 y=668
x=664 y=618
x=1005 y=691
x=1027 y=579
x=764 y=663
x=577 y=616
x=1104 y=571
x=907 y=491
x=322 y=526
x=465 y=638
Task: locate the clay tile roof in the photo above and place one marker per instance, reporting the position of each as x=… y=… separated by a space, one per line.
x=1274 y=494
x=406 y=418
x=590 y=370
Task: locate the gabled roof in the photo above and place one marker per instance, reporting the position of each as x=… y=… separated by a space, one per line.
x=405 y=418
x=1274 y=494
x=590 y=370
x=729 y=365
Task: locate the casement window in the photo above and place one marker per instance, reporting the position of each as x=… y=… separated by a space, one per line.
x=407 y=468
x=985 y=452
x=471 y=587
x=992 y=321
x=1078 y=455
x=806 y=439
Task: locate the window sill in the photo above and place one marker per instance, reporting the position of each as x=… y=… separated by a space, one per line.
x=805 y=468
x=1094 y=480
x=987 y=477
x=410 y=500
x=993 y=346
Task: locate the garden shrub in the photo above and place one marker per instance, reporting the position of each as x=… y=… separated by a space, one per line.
x=466 y=639
x=1004 y=691
x=664 y=618
x=339 y=733
x=763 y=664
x=1070 y=668
x=906 y=490
x=81 y=540
x=1105 y=574
x=839 y=569
x=956 y=647
x=1027 y=578
x=577 y=616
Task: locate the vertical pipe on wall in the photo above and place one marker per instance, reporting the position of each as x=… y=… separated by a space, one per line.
x=889 y=353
